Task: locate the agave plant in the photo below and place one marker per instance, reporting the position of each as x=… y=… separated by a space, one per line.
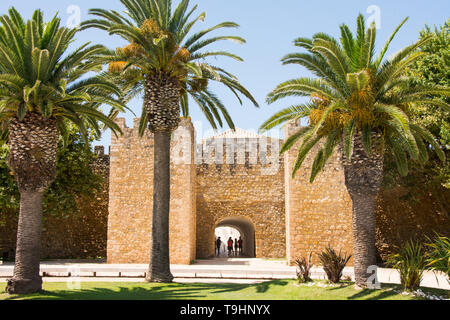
x=304 y=269
x=43 y=87
x=334 y=263
x=410 y=262
x=359 y=104
x=166 y=61
x=439 y=254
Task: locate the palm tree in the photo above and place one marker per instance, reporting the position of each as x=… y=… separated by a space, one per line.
x=166 y=61
x=41 y=93
x=361 y=104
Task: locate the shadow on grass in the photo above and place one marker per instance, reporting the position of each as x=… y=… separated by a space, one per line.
x=367 y=294
x=265 y=286
x=144 y=291
x=395 y=289
x=380 y=296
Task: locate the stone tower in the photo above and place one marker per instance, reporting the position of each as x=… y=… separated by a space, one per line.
x=131 y=196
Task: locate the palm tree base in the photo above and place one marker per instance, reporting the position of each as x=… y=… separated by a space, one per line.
x=160 y=278
x=24 y=286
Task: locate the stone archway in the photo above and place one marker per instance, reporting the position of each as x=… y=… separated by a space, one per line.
x=247 y=231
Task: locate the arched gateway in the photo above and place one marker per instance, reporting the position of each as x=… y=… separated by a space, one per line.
x=233 y=179
x=246 y=230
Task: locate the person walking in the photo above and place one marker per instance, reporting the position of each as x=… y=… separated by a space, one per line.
x=235 y=247
x=240 y=242
x=230 y=246
x=218 y=245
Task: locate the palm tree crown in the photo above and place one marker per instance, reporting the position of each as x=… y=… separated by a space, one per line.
x=356 y=95
x=160 y=44
x=37 y=77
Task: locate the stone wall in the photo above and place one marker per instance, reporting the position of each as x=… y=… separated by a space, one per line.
x=247 y=185
x=317 y=214
x=399 y=218
x=131 y=196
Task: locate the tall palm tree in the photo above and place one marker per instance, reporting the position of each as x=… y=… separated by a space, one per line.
x=41 y=92
x=360 y=103
x=166 y=61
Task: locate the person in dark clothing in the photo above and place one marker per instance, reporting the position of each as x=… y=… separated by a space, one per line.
x=240 y=242
x=235 y=247
x=218 y=244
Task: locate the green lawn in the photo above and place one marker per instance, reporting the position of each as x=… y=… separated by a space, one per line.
x=274 y=290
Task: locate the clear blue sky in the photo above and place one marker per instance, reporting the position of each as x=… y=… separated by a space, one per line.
x=269 y=27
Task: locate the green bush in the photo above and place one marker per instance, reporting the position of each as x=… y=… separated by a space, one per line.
x=333 y=263
x=439 y=254
x=410 y=262
x=304 y=269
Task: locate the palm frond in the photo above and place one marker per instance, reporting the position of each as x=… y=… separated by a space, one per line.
x=289 y=114
x=303 y=87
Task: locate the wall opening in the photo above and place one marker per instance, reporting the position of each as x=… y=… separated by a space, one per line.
x=224 y=233
x=235 y=227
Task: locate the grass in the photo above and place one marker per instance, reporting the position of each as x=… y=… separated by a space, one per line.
x=273 y=290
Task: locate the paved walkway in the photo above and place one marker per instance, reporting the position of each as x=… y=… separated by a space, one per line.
x=237 y=270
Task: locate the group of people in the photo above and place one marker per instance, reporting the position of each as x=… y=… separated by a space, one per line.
x=236 y=244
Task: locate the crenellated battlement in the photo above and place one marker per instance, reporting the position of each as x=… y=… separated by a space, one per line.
x=239 y=151
x=233 y=148
x=128 y=132
x=121 y=122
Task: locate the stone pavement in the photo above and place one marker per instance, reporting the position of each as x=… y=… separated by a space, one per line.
x=219 y=270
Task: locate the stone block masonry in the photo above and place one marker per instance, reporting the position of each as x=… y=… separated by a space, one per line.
x=318 y=214
x=131 y=197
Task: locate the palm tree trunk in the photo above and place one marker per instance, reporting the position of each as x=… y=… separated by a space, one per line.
x=26 y=278
x=363 y=178
x=159 y=269
x=33 y=146
x=364 y=250
x=162 y=104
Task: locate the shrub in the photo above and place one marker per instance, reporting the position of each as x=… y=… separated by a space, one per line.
x=410 y=263
x=304 y=269
x=333 y=263
x=439 y=255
